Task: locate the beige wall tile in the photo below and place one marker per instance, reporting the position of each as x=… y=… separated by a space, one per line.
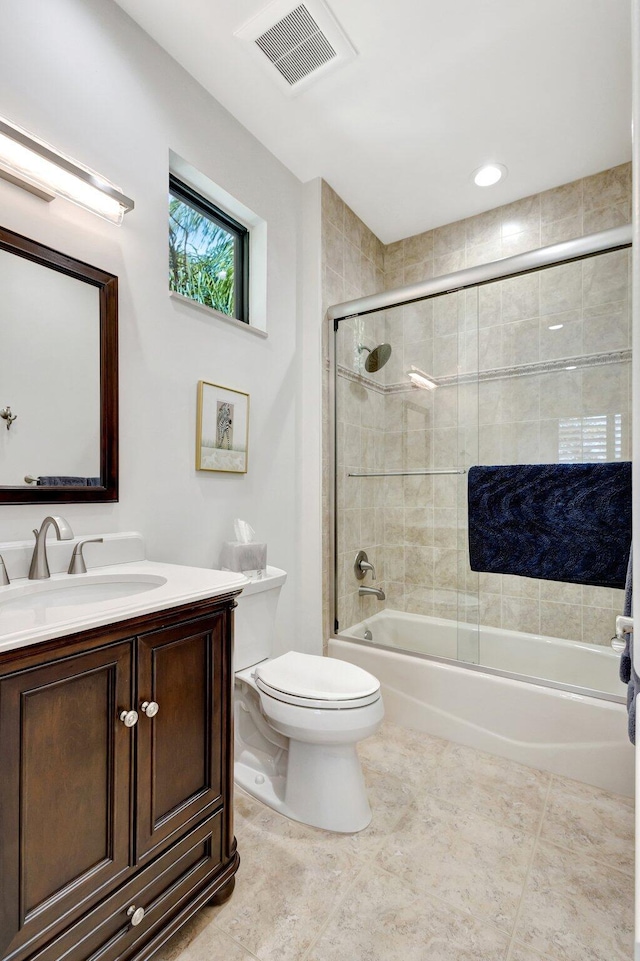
x=561 y=202
x=448 y=263
x=520 y=298
x=333 y=207
x=558 y=231
x=418 y=566
x=566 y=339
x=606 y=278
x=484 y=228
x=416 y=273
x=449 y=239
x=418 y=248
x=529 y=239
x=394 y=256
x=521 y=342
x=483 y=253
x=606 y=217
x=607 y=327
x=598 y=625
x=561 y=620
x=560 y=288
x=521 y=215
x=520 y=614
x=608 y=187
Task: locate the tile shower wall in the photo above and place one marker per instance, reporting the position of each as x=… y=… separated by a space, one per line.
x=353 y=266
x=526 y=408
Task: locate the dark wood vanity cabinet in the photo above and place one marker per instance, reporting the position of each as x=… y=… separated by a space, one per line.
x=111 y=836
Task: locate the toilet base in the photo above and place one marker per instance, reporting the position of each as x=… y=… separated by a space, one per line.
x=324 y=786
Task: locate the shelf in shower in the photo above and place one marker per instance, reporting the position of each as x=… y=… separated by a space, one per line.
x=402 y=473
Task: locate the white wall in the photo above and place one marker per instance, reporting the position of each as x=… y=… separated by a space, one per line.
x=82 y=75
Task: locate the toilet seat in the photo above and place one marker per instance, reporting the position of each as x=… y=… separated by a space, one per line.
x=323 y=683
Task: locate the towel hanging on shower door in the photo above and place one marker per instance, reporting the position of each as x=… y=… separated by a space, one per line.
x=557 y=522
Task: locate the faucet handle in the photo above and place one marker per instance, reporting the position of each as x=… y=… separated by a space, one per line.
x=77 y=564
x=361 y=566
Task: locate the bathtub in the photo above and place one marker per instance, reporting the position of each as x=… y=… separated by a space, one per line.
x=554 y=728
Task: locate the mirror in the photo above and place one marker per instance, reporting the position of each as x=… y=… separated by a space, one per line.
x=58 y=377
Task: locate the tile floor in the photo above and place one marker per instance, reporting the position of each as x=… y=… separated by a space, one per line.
x=469 y=857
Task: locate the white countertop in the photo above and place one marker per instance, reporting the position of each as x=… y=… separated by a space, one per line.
x=23 y=623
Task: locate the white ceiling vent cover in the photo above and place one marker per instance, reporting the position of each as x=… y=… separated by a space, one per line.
x=301 y=42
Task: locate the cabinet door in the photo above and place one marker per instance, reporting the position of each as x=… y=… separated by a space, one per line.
x=65 y=762
x=180 y=777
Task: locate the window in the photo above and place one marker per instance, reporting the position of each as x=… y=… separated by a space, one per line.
x=208 y=253
x=588 y=439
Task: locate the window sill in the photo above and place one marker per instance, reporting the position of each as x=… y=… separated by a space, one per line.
x=216 y=314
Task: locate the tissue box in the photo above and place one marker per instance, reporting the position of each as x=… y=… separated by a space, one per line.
x=243 y=557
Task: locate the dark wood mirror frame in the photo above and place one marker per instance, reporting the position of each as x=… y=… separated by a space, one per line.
x=107 y=285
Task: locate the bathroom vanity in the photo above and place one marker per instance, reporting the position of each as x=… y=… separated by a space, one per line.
x=115 y=758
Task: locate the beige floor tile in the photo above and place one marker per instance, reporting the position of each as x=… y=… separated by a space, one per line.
x=211 y=944
x=290 y=879
x=591 y=822
x=576 y=909
x=175 y=949
x=382 y=919
x=494 y=787
x=389 y=798
x=409 y=755
x=520 y=953
x=472 y=863
x=245 y=807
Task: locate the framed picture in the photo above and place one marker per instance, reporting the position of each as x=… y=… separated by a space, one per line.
x=222 y=432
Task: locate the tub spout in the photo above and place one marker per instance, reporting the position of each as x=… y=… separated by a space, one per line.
x=362 y=591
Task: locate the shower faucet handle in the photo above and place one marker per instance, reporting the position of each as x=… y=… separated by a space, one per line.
x=361 y=566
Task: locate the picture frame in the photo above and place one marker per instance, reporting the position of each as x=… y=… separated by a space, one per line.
x=222 y=429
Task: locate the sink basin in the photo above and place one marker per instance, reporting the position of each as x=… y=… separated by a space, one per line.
x=129 y=587
x=37 y=598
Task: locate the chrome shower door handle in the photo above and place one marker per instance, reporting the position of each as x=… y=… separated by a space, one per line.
x=624 y=625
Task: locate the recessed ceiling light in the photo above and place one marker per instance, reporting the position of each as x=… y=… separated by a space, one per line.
x=489 y=174
x=556 y=326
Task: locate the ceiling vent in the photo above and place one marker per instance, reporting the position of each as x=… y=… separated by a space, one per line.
x=301 y=43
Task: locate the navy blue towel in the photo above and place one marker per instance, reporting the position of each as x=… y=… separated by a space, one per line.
x=67 y=481
x=556 y=522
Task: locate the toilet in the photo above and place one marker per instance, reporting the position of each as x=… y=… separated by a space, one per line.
x=298 y=718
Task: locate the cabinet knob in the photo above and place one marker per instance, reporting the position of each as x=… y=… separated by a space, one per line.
x=129 y=718
x=136 y=915
x=150 y=708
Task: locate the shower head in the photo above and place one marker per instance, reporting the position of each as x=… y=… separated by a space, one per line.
x=378 y=356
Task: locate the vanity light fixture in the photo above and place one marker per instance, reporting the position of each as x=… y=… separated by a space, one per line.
x=420 y=379
x=38 y=167
x=489 y=174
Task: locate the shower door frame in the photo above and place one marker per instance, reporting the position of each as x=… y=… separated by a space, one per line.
x=606 y=241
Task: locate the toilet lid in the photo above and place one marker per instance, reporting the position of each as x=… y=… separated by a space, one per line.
x=316 y=678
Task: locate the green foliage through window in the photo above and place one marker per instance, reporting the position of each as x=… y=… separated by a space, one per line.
x=204 y=256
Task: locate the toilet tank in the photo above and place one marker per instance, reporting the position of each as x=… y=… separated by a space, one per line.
x=256 y=618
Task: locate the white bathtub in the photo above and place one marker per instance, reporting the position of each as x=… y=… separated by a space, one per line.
x=572 y=734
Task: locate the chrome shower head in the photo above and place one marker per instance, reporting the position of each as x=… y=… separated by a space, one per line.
x=378 y=356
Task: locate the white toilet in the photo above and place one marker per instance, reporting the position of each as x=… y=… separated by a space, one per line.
x=298 y=719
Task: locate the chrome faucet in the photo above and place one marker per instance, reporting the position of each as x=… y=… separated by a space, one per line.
x=375 y=591
x=39 y=569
